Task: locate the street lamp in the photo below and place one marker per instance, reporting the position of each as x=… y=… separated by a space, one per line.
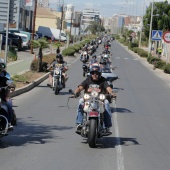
x=149 y=43
x=61 y=21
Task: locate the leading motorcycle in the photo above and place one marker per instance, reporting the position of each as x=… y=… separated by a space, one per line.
x=93 y=118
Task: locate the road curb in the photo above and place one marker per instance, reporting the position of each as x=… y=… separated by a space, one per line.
x=29 y=86
x=33 y=84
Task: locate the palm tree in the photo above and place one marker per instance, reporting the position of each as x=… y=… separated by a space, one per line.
x=41 y=44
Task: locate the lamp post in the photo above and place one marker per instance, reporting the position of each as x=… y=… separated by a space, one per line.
x=33 y=30
x=61 y=21
x=149 y=43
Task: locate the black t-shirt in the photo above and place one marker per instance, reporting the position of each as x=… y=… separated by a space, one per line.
x=101 y=82
x=56 y=63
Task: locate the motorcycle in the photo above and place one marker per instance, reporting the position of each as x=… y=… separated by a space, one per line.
x=84 y=57
x=93 y=118
x=4 y=110
x=85 y=69
x=57 y=84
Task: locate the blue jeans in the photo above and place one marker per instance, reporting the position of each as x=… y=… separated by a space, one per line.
x=107 y=113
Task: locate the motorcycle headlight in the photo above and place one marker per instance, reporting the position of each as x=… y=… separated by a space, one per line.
x=57 y=72
x=86 y=96
x=102 y=97
x=94 y=93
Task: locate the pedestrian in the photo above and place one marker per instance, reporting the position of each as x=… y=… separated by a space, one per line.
x=58 y=50
x=159 y=51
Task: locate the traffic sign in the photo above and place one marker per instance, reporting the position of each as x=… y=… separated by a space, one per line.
x=166 y=36
x=157 y=35
x=133 y=34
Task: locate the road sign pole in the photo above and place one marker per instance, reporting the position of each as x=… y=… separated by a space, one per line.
x=7 y=29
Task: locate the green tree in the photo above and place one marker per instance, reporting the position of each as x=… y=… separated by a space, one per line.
x=95 y=27
x=41 y=44
x=161 y=17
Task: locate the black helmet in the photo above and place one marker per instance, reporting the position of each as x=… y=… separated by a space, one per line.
x=94 y=56
x=95 y=68
x=59 y=56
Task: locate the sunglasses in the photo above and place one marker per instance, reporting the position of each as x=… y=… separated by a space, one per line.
x=95 y=72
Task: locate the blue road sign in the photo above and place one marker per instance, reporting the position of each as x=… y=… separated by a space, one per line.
x=157 y=35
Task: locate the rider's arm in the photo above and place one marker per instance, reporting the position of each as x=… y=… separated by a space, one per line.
x=110 y=91
x=78 y=90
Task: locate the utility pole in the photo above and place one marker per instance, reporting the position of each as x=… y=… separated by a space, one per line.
x=149 y=43
x=33 y=29
x=71 y=24
x=61 y=22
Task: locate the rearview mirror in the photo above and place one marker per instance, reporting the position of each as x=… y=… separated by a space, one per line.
x=70 y=91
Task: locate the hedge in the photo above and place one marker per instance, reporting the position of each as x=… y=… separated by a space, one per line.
x=68 y=52
x=167 y=69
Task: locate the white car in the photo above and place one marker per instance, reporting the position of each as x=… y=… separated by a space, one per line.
x=25 y=40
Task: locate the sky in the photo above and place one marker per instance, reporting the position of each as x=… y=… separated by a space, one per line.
x=108 y=8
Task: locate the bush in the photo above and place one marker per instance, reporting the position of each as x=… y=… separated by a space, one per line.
x=167 y=69
x=117 y=37
x=132 y=45
x=160 y=64
x=68 y=52
x=154 y=60
x=77 y=48
x=12 y=53
x=135 y=49
x=149 y=58
x=142 y=52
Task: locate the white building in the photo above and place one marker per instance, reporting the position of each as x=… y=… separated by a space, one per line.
x=88 y=16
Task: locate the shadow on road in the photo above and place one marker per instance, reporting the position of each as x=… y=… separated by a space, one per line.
x=120 y=110
x=112 y=142
x=29 y=133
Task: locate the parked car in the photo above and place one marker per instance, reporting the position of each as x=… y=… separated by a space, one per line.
x=36 y=37
x=52 y=32
x=16 y=40
x=25 y=40
x=39 y=35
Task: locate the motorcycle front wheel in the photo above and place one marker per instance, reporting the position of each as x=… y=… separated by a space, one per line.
x=92 y=134
x=56 y=88
x=84 y=73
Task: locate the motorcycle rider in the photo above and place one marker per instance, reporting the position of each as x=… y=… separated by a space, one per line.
x=93 y=60
x=59 y=60
x=4 y=76
x=84 y=56
x=95 y=78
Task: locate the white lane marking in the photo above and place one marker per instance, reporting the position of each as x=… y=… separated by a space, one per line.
x=126 y=58
x=117 y=57
x=120 y=160
x=15 y=62
x=74 y=60
x=135 y=59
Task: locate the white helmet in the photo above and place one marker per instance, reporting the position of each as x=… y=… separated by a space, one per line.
x=106 y=56
x=85 y=53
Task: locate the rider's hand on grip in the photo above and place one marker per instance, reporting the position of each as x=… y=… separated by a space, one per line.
x=113 y=95
x=75 y=95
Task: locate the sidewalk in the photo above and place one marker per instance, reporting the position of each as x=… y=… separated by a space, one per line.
x=162 y=57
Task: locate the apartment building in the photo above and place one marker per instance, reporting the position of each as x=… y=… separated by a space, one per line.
x=88 y=16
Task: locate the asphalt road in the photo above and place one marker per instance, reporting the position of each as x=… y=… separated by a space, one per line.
x=45 y=137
